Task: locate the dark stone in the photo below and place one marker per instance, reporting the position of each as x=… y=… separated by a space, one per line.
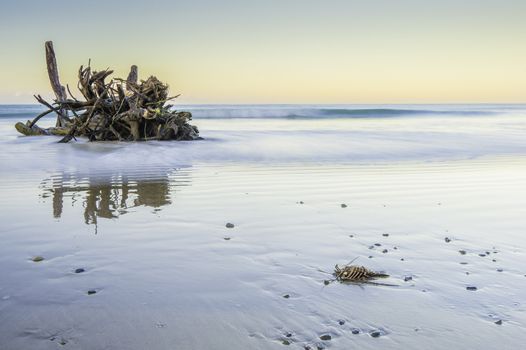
x=378 y=244
x=285 y=342
x=229 y=225
x=463 y=263
x=79 y=270
x=326 y=282
x=408 y=278
x=462 y=252
x=301 y=202
x=286 y=296
x=482 y=254
x=341 y=322
x=499 y=322
x=402 y=259
x=355 y=331
x=343 y=205
x=325 y=337
x=375 y=334
x=289 y=335
x=500 y=270
x=351 y=236
x=385 y=234
x=227 y=238
x=91 y=292
x=384 y=251
x=471 y=288
x=447 y=239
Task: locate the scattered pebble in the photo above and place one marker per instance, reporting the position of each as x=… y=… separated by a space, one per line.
x=288 y=335
x=326 y=282
x=402 y=259
x=463 y=263
x=325 y=337
x=341 y=322
x=226 y=238
x=462 y=252
x=371 y=247
x=351 y=236
x=301 y=202
x=494 y=260
x=482 y=254
x=378 y=244
x=500 y=270
x=37 y=258
x=80 y=270
x=285 y=342
x=229 y=225
x=343 y=205
x=471 y=288
x=384 y=251
x=375 y=334
x=385 y=234
x=355 y=331
x=286 y=296
x=91 y=292
x=447 y=239
x=370 y=256
x=499 y=322
x=408 y=278
x=395 y=248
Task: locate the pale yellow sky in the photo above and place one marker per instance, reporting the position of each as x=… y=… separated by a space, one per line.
x=287 y=51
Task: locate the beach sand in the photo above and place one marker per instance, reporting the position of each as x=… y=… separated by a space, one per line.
x=137 y=253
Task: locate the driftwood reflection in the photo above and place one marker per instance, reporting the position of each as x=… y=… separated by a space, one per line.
x=112 y=195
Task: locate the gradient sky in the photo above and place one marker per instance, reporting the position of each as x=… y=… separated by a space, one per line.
x=276 y=51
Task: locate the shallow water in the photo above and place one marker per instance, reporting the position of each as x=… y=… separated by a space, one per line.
x=147 y=224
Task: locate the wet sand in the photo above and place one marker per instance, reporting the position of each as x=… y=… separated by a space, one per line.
x=142 y=258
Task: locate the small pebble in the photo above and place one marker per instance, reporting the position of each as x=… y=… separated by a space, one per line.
x=80 y=270
x=326 y=337
x=482 y=254
x=301 y=202
x=37 y=259
x=494 y=260
x=408 y=278
x=500 y=270
x=375 y=334
x=378 y=244
x=288 y=335
x=229 y=225
x=371 y=247
x=91 y=292
x=226 y=238
x=385 y=234
x=355 y=331
x=341 y=322
x=326 y=282
x=384 y=251
x=286 y=296
x=462 y=252
x=343 y=205
x=499 y=322
x=402 y=259
x=351 y=236
x=463 y=263
x=285 y=342
x=447 y=239
x=395 y=248
x=370 y=256
x=471 y=288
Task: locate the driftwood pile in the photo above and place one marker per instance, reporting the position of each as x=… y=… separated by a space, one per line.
x=117 y=110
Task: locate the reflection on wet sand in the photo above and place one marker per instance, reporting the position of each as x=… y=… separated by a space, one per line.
x=109 y=196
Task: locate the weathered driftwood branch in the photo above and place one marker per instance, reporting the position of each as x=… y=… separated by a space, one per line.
x=58 y=89
x=124 y=110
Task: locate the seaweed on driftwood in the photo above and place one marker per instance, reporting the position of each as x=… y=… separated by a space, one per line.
x=117 y=110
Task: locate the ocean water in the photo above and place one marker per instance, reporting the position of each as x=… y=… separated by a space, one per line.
x=434 y=196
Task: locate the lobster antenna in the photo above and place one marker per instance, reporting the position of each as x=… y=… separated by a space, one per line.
x=350 y=262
